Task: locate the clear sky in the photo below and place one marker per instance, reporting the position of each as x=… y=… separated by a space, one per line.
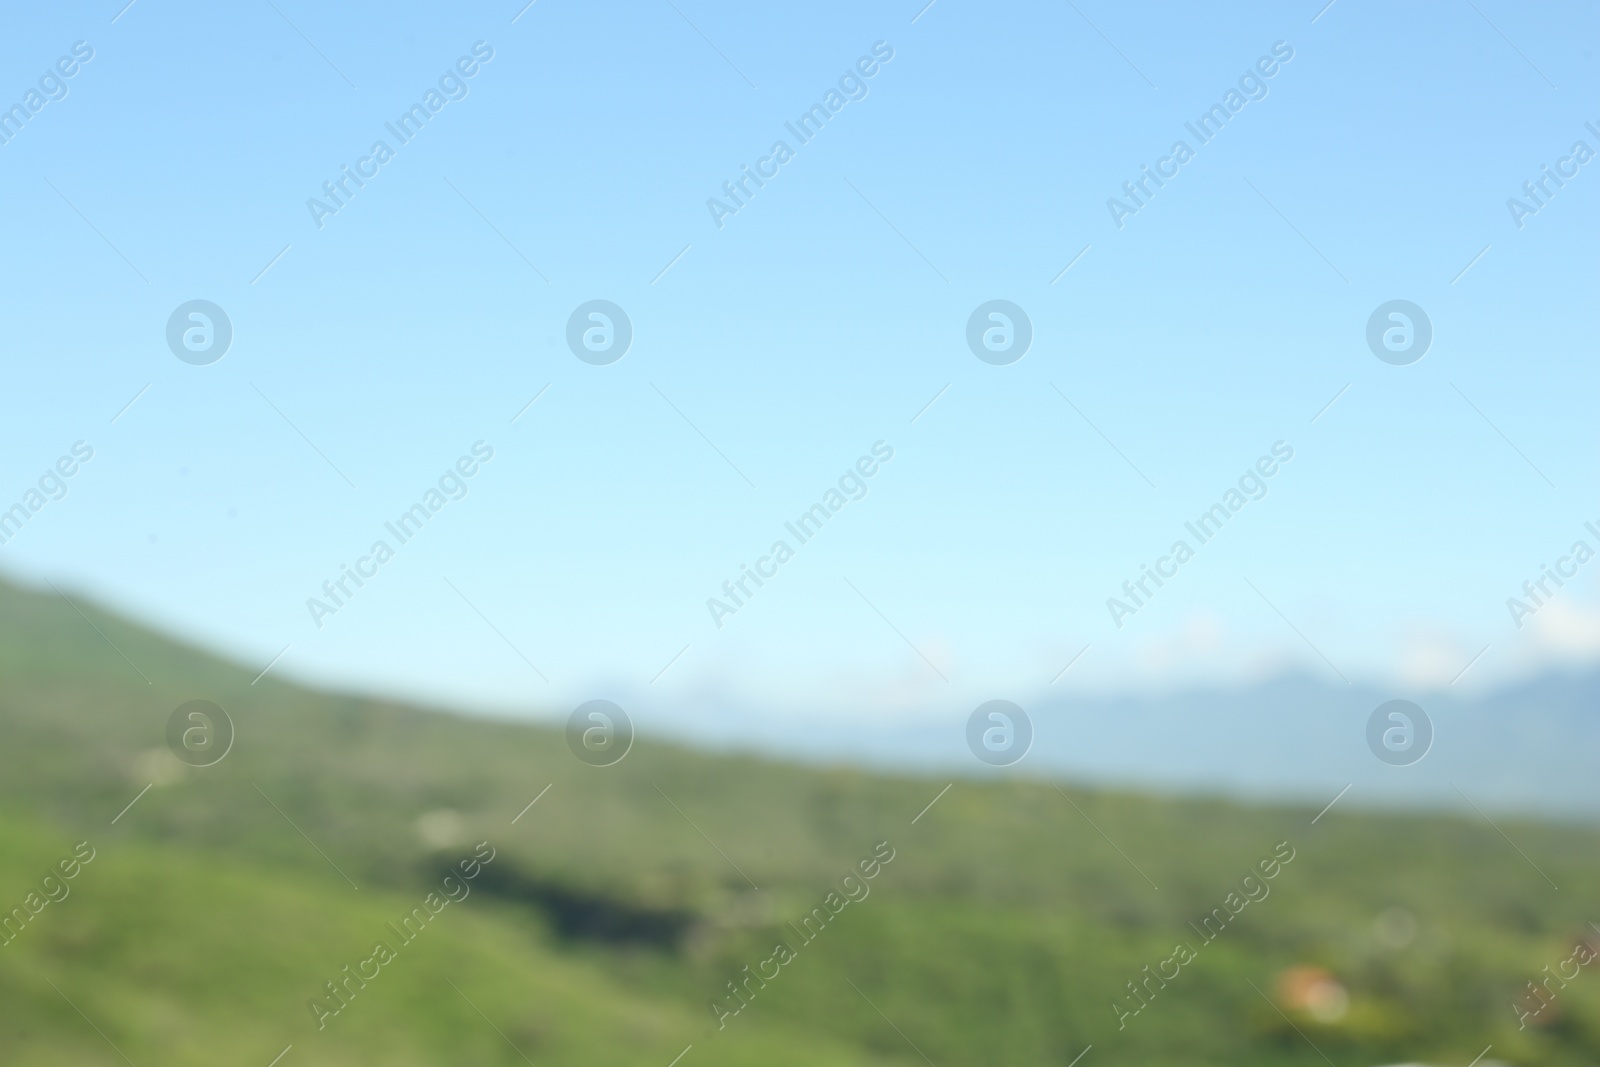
x=377 y=337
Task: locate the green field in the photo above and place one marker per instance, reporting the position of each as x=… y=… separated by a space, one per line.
x=616 y=910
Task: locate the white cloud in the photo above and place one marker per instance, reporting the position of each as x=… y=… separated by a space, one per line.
x=1429 y=658
x=1570 y=629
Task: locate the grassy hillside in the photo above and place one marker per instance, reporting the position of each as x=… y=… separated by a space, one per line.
x=616 y=910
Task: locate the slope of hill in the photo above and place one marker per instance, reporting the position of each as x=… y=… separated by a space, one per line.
x=1012 y=921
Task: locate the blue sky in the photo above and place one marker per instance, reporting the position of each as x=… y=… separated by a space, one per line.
x=371 y=352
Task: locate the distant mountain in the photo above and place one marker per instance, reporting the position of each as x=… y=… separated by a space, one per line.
x=1529 y=747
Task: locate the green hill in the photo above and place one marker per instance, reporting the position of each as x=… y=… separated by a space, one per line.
x=616 y=910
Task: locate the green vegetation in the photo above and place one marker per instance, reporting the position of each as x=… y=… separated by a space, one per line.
x=1002 y=931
